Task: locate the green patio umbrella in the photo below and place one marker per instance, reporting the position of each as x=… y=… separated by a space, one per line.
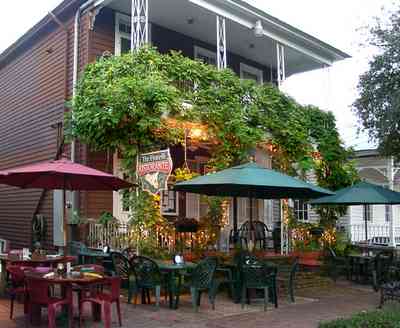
x=363 y=193
x=251 y=181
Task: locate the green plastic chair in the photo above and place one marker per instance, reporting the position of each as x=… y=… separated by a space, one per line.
x=148 y=277
x=257 y=274
x=122 y=267
x=201 y=279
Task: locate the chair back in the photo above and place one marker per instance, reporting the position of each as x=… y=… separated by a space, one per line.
x=257 y=274
x=203 y=274
x=38 y=290
x=147 y=272
x=121 y=265
x=75 y=247
x=129 y=253
x=16 y=274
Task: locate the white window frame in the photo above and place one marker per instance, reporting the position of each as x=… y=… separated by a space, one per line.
x=118 y=208
x=252 y=70
x=119 y=34
x=170 y=213
x=205 y=53
x=304 y=210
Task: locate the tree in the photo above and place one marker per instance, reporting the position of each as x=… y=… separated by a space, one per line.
x=378 y=105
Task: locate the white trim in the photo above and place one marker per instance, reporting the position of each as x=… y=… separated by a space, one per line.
x=118 y=209
x=118 y=34
x=252 y=70
x=250 y=25
x=205 y=53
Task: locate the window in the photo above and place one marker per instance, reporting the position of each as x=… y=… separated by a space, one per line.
x=206 y=56
x=123 y=33
x=251 y=204
x=301 y=210
x=369 y=212
x=169 y=202
x=251 y=73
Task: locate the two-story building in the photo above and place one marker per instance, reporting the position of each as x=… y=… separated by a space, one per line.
x=39 y=71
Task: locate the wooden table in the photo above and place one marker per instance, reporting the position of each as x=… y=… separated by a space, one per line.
x=66 y=282
x=174 y=273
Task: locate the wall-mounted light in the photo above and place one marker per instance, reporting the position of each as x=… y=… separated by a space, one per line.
x=258 y=29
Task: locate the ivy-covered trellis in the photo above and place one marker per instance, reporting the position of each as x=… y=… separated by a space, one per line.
x=126 y=104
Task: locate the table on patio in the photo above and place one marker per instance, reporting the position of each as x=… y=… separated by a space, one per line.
x=66 y=282
x=49 y=261
x=174 y=272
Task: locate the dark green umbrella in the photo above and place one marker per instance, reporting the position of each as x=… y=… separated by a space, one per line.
x=252 y=181
x=363 y=193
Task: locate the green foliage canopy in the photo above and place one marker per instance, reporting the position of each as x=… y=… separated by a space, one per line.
x=122 y=103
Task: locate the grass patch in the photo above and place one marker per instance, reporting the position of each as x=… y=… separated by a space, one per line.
x=389 y=317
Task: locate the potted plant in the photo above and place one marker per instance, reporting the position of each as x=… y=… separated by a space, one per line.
x=106 y=218
x=78 y=227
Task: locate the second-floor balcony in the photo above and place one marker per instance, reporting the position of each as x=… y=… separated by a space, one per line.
x=225 y=33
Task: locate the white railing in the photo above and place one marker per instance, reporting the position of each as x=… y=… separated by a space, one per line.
x=378 y=234
x=115 y=235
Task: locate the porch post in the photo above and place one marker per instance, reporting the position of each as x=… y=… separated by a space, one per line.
x=390 y=177
x=280 y=64
x=139 y=24
x=221 y=43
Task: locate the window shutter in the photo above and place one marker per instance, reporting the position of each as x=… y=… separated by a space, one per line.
x=192 y=206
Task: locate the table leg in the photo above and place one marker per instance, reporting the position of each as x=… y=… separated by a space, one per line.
x=96 y=311
x=36 y=314
x=177 y=292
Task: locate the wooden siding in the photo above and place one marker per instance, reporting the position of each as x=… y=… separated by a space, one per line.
x=33 y=88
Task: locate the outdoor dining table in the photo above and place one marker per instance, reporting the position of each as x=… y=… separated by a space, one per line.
x=66 y=281
x=49 y=261
x=174 y=274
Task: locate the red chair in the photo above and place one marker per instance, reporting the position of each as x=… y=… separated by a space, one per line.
x=105 y=299
x=39 y=296
x=17 y=286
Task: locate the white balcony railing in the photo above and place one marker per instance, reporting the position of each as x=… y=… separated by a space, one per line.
x=377 y=234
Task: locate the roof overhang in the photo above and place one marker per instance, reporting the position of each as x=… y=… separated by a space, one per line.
x=303 y=51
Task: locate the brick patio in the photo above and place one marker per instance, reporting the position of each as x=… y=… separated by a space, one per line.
x=311 y=307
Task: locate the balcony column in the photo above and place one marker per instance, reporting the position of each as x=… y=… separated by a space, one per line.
x=221 y=43
x=139 y=24
x=392 y=216
x=280 y=64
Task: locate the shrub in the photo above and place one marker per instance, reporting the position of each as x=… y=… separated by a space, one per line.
x=387 y=318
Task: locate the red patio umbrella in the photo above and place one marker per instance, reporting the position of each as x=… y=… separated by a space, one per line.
x=61 y=174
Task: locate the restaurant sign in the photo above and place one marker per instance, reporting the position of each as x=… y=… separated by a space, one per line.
x=154 y=170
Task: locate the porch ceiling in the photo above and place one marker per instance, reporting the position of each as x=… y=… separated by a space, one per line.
x=174 y=15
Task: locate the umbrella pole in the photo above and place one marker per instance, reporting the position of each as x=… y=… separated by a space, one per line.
x=366 y=222
x=235 y=222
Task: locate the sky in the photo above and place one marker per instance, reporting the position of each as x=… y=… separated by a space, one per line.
x=339 y=23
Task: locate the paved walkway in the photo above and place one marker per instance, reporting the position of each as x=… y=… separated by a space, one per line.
x=310 y=308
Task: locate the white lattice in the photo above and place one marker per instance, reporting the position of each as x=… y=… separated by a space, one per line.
x=221 y=43
x=140 y=23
